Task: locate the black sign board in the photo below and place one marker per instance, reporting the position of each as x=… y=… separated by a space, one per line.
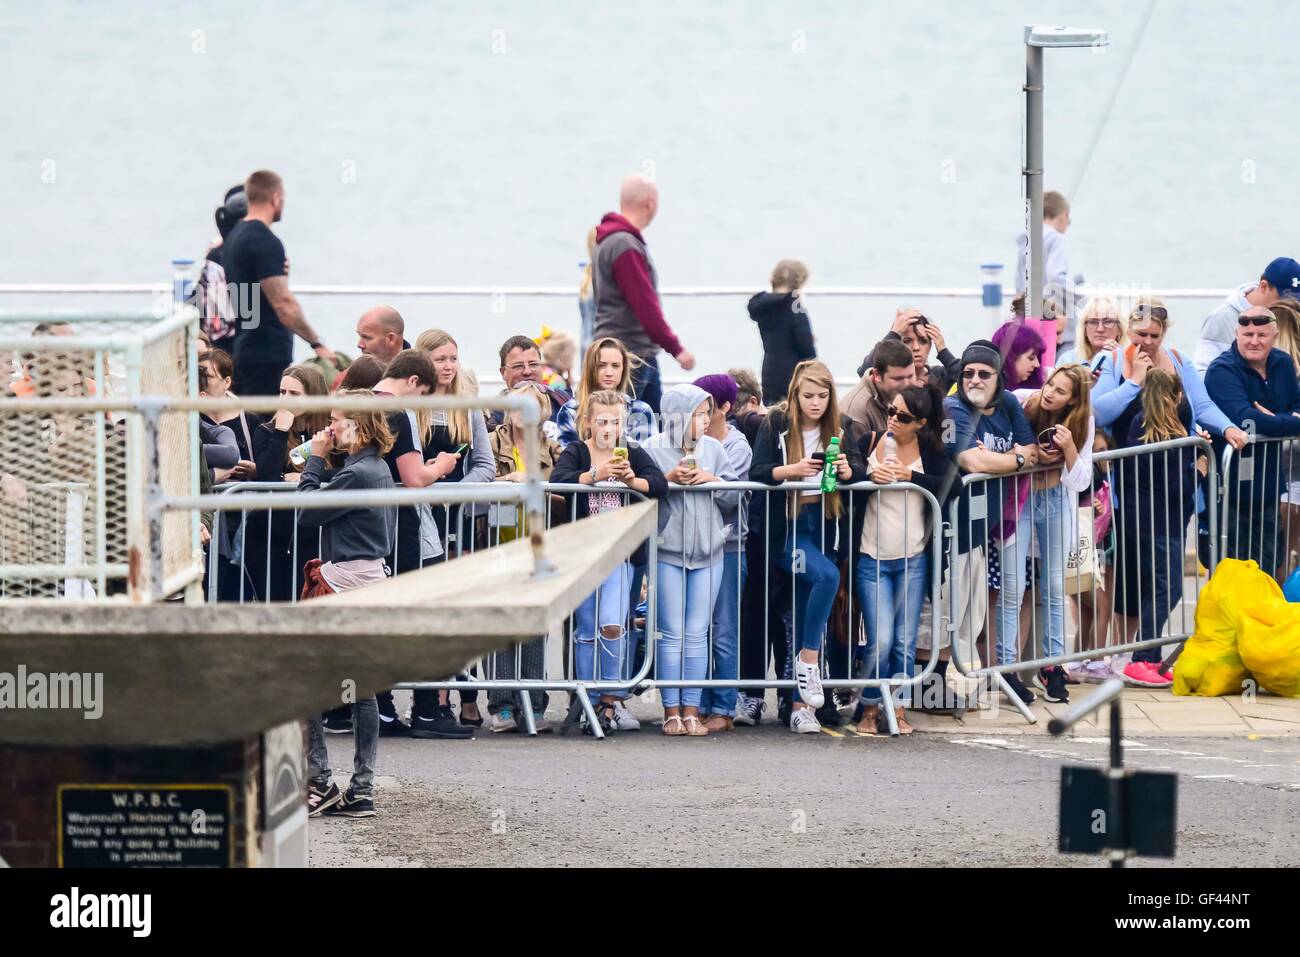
x=146 y=825
x=1150 y=806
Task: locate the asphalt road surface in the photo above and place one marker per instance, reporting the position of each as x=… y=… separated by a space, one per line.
x=764 y=797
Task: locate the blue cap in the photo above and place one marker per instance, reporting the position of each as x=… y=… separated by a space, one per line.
x=1283 y=274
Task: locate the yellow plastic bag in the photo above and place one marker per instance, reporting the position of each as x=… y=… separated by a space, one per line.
x=1210 y=664
x=1269 y=644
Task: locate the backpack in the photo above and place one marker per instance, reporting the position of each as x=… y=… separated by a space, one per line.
x=211 y=299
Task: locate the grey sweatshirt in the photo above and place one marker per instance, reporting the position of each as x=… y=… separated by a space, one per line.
x=360 y=532
x=739 y=454
x=694 y=529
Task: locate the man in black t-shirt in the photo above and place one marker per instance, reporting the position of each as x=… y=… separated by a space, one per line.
x=266 y=314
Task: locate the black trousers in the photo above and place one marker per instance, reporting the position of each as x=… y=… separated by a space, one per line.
x=257 y=378
x=765 y=598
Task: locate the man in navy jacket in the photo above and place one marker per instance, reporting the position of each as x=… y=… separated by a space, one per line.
x=1255 y=386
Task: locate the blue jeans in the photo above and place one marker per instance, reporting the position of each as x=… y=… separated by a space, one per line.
x=1165 y=551
x=816 y=580
x=1045 y=518
x=607 y=607
x=892 y=593
x=725 y=640
x=682 y=615
x=647 y=384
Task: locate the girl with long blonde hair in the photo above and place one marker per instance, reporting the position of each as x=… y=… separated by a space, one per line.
x=810 y=537
x=607 y=365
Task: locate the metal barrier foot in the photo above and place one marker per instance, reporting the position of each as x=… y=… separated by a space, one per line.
x=530 y=726
x=1015 y=699
x=887 y=706
x=584 y=700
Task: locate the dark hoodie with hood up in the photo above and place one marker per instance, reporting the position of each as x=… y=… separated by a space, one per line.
x=787 y=340
x=625 y=289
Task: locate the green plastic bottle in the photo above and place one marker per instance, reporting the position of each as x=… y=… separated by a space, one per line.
x=830 y=478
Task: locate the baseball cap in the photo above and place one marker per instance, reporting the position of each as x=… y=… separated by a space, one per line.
x=1283 y=274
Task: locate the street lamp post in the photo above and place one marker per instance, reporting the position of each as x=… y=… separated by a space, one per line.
x=1037 y=38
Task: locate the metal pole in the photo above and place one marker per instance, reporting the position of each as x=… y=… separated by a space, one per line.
x=1118 y=827
x=1033 y=171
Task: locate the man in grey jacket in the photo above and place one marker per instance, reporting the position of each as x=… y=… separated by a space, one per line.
x=1281 y=279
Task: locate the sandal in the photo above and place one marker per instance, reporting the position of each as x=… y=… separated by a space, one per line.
x=694 y=727
x=870 y=723
x=719 y=722
x=900 y=717
x=673 y=726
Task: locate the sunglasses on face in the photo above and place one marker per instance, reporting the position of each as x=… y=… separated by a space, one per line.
x=903 y=418
x=980 y=374
x=1244 y=321
x=1151 y=312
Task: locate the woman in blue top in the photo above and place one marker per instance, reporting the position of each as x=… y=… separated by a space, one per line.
x=1115 y=395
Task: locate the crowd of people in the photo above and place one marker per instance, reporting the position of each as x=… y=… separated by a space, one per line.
x=829 y=579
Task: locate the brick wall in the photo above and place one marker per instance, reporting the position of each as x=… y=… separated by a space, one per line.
x=30 y=776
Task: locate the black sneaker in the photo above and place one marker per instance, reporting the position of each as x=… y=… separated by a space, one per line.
x=1055 y=692
x=828 y=715
x=1019 y=690
x=442 y=725
x=352 y=806
x=318 y=799
x=339 y=720
x=393 y=727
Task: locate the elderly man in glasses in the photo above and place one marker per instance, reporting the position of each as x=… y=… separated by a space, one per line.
x=986 y=431
x=1255 y=386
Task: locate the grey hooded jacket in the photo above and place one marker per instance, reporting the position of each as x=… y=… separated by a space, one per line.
x=693 y=529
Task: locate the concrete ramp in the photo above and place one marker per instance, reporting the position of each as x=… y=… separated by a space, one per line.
x=186 y=674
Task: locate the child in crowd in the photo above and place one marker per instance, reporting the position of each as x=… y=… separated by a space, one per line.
x=812 y=540
x=355 y=544
x=691 y=547
x=718 y=705
x=526 y=661
x=1046 y=521
x=597 y=460
x=783 y=324
x=560 y=355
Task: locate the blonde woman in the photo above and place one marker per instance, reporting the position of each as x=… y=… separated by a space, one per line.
x=607 y=366
x=587 y=295
x=808 y=531
x=1101 y=331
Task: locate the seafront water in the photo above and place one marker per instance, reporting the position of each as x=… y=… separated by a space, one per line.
x=475 y=143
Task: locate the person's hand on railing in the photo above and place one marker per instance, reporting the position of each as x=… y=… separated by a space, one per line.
x=609 y=469
x=1237 y=438
x=511 y=477
x=680 y=475
x=292 y=477
x=887 y=472
x=244 y=471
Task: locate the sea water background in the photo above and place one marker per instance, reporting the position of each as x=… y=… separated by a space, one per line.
x=458 y=143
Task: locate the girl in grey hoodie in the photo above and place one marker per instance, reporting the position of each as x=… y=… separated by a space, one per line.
x=691 y=542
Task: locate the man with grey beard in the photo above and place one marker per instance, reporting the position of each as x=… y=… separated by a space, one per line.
x=986 y=431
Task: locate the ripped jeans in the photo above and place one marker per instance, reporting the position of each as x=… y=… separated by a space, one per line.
x=605 y=611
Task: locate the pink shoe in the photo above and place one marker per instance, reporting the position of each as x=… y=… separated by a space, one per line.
x=1146 y=674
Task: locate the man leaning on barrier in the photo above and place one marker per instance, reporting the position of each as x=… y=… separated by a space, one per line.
x=986 y=432
x=1255 y=386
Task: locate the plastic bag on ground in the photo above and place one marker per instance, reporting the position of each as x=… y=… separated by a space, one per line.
x=1210 y=664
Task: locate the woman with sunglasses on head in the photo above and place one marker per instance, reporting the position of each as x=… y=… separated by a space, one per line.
x=893 y=529
x=1116 y=393
x=808 y=531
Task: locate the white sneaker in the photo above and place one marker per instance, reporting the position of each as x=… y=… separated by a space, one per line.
x=623 y=719
x=803 y=721
x=808 y=679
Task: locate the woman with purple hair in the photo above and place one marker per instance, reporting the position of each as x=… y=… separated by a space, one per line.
x=1022 y=351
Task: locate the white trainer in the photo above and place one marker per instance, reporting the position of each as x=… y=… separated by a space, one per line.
x=808 y=678
x=803 y=721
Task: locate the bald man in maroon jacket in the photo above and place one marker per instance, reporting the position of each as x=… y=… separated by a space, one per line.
x=626 y=288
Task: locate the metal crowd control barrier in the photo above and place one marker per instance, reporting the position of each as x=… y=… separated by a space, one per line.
x=1261 y=504
x=738 y=584
x=1019 y=547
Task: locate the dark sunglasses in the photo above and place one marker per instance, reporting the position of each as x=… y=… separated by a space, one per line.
x=1244 y=321
x=904 y=418
x=980 y=374
x=1151 y=312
